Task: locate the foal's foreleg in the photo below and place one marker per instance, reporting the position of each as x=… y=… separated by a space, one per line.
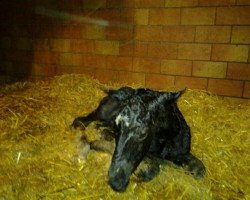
x=148 y=168
x=191 y=163
x=83 y=122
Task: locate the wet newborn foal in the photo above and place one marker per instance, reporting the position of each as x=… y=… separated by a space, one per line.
x=146 y=124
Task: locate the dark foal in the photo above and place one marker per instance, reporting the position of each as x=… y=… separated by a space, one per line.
x=147 y=125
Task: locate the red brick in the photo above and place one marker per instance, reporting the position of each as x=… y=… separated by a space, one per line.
x=131 y=78
x=44 y=31
x=233 y=15
x=71 y=59
x=181 y=3
x=191 y=82
x=178 y=33
x=226 y=87
x=168 y=51
x=246 y=93
x=126 y=48
x=82 y=46
x=106 y=76
x=243 y=2
x=89 y=4
x=141 y=16
x=241 y=34
x=42 y=45
x=67 y=31
x=46 y=57
x=149 y=4
x=249 y=56
x=209 y=69
x=82 y=70
x=93 y=32
x=194 y=51
x=95 y=61
x=223 y=52
x=147 y=65
x=110 y=15
x=59 y=70
x=42 y=70
x=25 y=56
x=237 y=100
x=176 y=67
x=60 y=45
x=17 y=68
x=51 y=30
x=119 y=63
x=127 y=18
x=107 y=47
x=67 y=5
x=76 y=70
x=140 y=49
x=120 y=4
x=213 y=34
x=197 y=16
x=166 y=16
x=217 y=2
x=157 y=81
x=148 y=33
x=240 y=71
x=38 y=78
x=119 y=33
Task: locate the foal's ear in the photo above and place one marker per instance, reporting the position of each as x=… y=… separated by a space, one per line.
x=110 y=92
x=173 y=96
x=165 y=98
x=120 y=94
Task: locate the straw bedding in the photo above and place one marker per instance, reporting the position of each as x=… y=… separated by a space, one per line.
x=41 y=158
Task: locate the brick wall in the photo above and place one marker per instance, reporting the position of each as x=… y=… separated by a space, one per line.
x=203 y=44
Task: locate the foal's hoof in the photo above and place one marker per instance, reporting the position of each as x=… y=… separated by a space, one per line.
x=77 y=123
x=147 y=170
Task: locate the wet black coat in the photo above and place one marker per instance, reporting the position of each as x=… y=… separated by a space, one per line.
x=145 y=123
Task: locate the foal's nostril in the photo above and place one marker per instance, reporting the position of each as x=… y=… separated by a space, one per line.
x=118 y=180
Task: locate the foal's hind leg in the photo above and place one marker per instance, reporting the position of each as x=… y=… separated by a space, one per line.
x=104 y=112
x=84 y=146
x=99 y=114
x=103 y=145
x=191 y=163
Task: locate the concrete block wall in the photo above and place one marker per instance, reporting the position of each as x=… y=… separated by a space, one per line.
x=199 y=44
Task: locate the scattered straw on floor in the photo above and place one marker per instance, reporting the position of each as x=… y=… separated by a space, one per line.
x=40 y=155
